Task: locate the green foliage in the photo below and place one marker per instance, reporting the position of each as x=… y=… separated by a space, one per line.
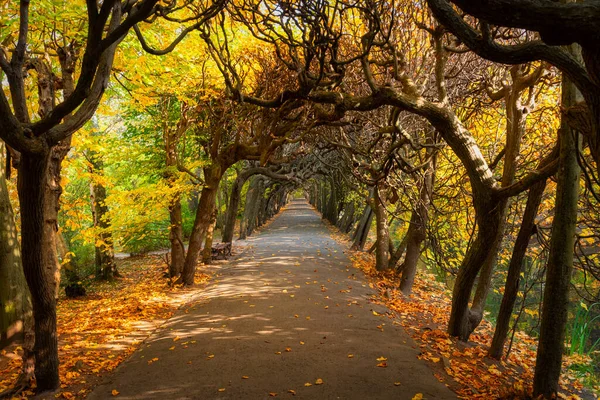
x=580 y=328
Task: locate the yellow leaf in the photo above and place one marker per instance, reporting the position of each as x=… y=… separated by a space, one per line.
x=222 y=390
x=382 y=358
x=115 y=392
x=307 y=384
x=319 y=381
x=350 y=355
x=272 y=394
x=418 y=396
x=382 y=364
x=301 y=342
x=211 y=356
x=293 y=392
x=245 y=377
x=396 y=383
x=288 y=349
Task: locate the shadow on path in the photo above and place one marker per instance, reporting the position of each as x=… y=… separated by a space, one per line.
x=288 y=312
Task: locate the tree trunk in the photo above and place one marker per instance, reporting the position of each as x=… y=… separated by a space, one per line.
x=202 y=221
x=251 y=198
x=488 y=223
x=511 y=287
x=106 y=267
x=362 y=230
x=207 y=252
x=417 y=231
x=560 y=258
x=396 y=254
x=232 y=209
x=176 y=238
x=32 y=190
x=51 y=208
x=382 y=255
x=15 y=299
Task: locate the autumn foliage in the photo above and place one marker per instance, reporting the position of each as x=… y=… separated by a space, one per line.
x=99 y=331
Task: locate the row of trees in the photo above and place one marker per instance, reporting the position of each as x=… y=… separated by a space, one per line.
x=440 y=127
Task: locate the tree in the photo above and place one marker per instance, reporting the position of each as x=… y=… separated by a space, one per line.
x=40 y=145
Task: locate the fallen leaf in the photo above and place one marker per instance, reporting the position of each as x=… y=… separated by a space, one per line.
x=307 y=384
x=382 y=358
x=211 y=356
x=382 y=364
x=319 y=381
x=418 y=396
x=222 y=390
x=350 y=355
x=245 y=377
x=396 y=383
x=293 y=392
x=288 y=349
x=272 y=394
x=301 y=342
x=115 y=392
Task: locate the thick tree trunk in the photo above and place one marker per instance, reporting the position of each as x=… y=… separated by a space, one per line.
x=202 y=221
x=382 y=253
x=560 y=258
x=511 y=288
x=32 y=190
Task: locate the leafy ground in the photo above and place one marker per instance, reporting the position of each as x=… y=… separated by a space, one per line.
x=464 y=367
x=97 y=332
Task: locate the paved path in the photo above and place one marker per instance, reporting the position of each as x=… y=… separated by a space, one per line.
x=288 y=313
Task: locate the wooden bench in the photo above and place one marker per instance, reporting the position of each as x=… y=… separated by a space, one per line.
x=221 y=250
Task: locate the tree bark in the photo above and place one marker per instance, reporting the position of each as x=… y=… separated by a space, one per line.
x=362 y=230
x=32 y=190
x=560 y=258
x=202 y=221
x=382 y=254
x=15 y=302
x=511 y=288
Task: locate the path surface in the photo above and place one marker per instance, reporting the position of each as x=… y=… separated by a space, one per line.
x=288 y=312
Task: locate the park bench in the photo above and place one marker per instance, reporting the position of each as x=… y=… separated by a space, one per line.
x=221 y=250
